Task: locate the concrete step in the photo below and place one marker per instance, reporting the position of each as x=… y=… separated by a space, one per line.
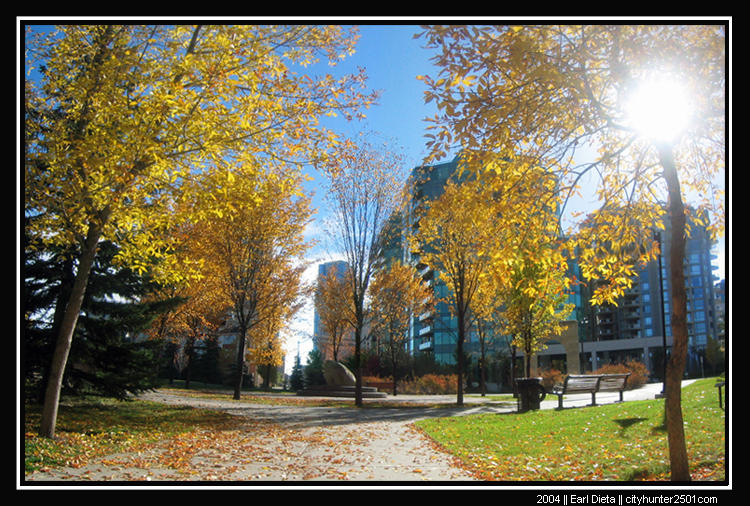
x=341 y=391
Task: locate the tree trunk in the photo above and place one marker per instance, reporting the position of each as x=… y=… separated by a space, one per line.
x=460 y=358
x=527 y=353
x=66 y=283
x=482 y=360
x=267 y=379
x=528 y=363
x=678 y=458
x=190 y=352
x=513 y=349
x=358 y=366
x=67 y=329
x=393 y=365
x=360 y=320
x=483 y=374
x=240 y=362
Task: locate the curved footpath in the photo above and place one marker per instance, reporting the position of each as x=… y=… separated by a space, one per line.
x=300 y=444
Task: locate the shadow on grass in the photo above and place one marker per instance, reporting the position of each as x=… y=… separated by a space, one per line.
x=638 y=475
x=626 y=423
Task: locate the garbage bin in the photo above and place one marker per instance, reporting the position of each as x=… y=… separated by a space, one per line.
x=530 y=393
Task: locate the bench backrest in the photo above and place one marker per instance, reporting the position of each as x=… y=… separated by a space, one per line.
x=613 y=381
x=582 y=383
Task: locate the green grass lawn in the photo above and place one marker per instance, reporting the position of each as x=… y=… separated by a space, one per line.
x=620 y=442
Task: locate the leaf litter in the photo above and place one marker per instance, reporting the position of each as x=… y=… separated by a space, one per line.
x=264 y=450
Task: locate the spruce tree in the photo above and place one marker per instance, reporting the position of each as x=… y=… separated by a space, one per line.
x=107 y=357
x=313 y=375
x=296 y=380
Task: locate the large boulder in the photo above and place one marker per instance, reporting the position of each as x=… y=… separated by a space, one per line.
x=337 y=374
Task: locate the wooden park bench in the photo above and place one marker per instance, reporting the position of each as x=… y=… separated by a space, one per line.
x=590 y=383
x=614 y=383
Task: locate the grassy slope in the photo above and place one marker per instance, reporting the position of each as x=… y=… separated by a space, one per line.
x=625 y=441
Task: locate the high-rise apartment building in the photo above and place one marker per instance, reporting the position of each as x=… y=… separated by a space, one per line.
x=638 y=327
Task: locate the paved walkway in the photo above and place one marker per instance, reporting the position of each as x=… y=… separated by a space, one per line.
x=298 y=443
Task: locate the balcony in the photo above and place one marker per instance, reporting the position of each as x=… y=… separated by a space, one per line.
x=424 y=271
x=427 y=315
x=632 y=315
x=426 y=345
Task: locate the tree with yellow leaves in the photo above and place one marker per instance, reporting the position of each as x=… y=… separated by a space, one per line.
x=121 y=115
x=535 y=300
x=335 y=309
x=455 y=235
x=198 y=318
x=266 y=348
x=487 y=312
x=250 y=246
x=601 y=101
x=474 y=231
x=397 y=295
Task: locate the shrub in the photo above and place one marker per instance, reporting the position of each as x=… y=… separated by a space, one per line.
x=430 y=384
x=551 y=377
x=638 y=372
x=375 y=379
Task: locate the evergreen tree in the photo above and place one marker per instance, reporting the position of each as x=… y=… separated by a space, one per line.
x=296 y=380
x=107 y=357
x=314 y=369
x=207 y=361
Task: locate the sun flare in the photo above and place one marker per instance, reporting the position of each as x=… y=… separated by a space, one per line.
x=659 y=108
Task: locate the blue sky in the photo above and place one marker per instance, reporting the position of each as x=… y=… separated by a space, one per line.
x=392 y=60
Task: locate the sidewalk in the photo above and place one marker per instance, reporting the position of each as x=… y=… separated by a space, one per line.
x=484 y=404
x=274 y=443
